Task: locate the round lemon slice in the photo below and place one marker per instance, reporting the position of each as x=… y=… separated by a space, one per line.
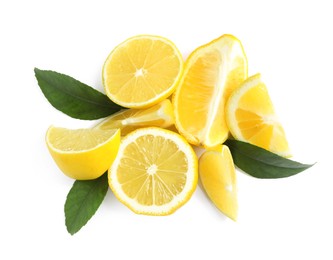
x=142 y=71
x=155 y=171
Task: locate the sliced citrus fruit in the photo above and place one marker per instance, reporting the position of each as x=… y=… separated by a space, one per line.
x=155 y=171
x=218 y=178
x=211 y=73
x=142 y=71
x=251 y=117
x=83 y=154
x=160 y=115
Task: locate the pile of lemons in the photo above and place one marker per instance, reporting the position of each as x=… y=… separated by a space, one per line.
x=172 y=107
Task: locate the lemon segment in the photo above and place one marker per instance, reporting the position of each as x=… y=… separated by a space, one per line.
x=155 y=171
x=142 y=71
x=160 y=115
x=251 y=117
x=218 y=178
x=211 y=73
x=83 y=154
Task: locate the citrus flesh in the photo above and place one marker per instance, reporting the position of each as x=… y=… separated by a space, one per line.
x=83 y=154
x=160 y=115
x=251 y=117
x=155 y=171
x=211 y=73
x=218 y=178
x=142 y=71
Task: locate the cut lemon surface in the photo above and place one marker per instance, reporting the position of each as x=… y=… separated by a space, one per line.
x=251 y=117
x=160 y=115
x=155 y=171
x=211 y=73
x=142 y=71
x=83 y=154
x=218 y=178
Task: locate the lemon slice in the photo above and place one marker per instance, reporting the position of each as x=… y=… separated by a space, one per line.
x=83 y=154
x=251 y=117
x=142 y=71
x=218 y=178
x=211 y=73
x=160 y=115
x=155 y=171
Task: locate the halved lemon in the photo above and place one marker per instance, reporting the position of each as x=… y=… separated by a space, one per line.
x=83 y=154
x=155 y=171
x=160 y=115
x=211 y=73
x=142 y=71
x=251 y=117
x=218 y=178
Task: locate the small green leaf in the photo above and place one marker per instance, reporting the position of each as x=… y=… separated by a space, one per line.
x=261 y=163
x=74 y=98
x=82 y=202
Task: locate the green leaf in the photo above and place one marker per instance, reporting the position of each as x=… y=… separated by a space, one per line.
x=82 y=202
x=261 y=163
x=74 y=98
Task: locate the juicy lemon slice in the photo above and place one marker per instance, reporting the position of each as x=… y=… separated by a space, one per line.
x=251 y=118
x=155 y=171
x=160 y=115
x=142 y=71
x=211 y=73
x=218 y=178
x=83 y=154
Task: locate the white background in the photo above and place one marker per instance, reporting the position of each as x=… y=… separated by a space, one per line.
x=289 y=42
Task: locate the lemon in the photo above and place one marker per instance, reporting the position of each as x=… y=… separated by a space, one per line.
x=211 y=73
x=218 y=178
x=142 y=71
x=251 y=117
x=83 y=154
x=160 y=115
x=155 y=171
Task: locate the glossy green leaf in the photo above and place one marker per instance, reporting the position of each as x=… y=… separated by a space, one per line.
x=261 y=163
x=83 y=200
x=74 y=98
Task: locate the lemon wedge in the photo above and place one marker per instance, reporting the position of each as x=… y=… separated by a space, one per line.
x=218 y=178
x=83 y=154
x=251 y=117
x=160 y=115
x=211 y=73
